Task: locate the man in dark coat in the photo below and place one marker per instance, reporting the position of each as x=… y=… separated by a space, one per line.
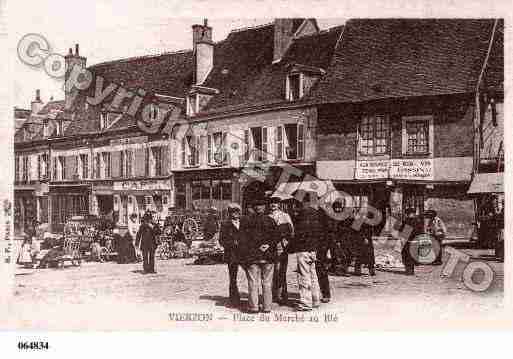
x=147 y=239
x=258 y=255
x=307 y=238
x=286 y=231
x=233 y=232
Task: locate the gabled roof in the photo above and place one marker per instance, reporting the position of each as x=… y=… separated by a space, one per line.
x=167 y=74
x=243 y=71
x=387 y=58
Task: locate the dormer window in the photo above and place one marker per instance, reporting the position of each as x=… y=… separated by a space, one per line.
x=192 y=105
x=294 y=88
x=153 y=114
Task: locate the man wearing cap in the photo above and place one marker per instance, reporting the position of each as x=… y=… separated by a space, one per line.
x=258 y=255
x=286 y=231
x=308 y=235
x=146 y=238
x=436 y=227
x=233 y=232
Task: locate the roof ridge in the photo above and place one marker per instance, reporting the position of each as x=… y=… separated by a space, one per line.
x=321 y=32
x=246 y=28
x=127 y=59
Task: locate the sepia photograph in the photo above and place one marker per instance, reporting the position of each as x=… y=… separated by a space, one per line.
x=209 y=173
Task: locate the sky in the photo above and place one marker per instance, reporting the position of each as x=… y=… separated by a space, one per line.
x=107 y=30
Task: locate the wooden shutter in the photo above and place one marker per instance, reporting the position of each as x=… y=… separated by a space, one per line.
x=147 y=161
x=116 y=164
x=39 y=167
x=265 y=147
x=279 y=143
x=165 y=160
x=300 y=141
x=209 y=149
x=139 y=163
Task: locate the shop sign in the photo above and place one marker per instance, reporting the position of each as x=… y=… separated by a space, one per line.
x=412 y=169
x=373 y=169
x=130 y=140
x=148 y=185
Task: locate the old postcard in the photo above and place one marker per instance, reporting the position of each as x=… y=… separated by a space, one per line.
x=170 y=171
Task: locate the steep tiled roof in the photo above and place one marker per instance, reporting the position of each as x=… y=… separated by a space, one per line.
x=243 y=71
x=385 y=58
x=167 y=74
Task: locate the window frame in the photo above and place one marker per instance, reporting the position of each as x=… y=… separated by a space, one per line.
x=193 y=151
x=289 y=84
x=84 y=166
x=429 y=121
x=371 y=122
x=212 y=150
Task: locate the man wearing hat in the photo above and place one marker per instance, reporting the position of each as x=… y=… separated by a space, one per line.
x=233 y=232
x=436 y=227
x=146 y=238
x=307 y=238
x=258 y=255
x=286 y=231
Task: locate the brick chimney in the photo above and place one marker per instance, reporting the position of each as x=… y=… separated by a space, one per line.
x=203 y=48
x=37 y=104
x=72 y=60
x=284 y=30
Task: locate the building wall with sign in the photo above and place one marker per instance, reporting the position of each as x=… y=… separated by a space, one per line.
x=413 y=153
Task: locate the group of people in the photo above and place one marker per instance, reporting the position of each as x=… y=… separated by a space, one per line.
x=261 y=242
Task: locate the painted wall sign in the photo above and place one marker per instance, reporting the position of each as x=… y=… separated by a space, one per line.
x=412 y=169
x=122 y=141
x=142 y=185
x=374 y=169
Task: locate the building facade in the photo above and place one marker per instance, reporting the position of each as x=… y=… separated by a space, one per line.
x=389 y=112
x=399 y=129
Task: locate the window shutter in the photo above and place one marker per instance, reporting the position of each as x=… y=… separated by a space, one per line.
x=147 y=162
x=224 y=148
x=184 y=151
x=39 y=167
x=209 y=149
x=116 y=164
x=246 y=145
x=300 y=141
x=139 y=163
x=279 y=142
x=164 y=160
x=264 y=144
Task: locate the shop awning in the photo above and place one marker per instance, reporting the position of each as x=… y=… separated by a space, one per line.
x=288 y=189
x=487 y=183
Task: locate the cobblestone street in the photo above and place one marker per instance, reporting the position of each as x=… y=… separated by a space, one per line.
x=119 y=296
